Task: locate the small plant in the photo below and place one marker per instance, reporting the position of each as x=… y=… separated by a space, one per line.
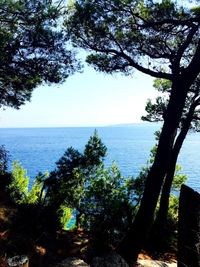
x=66 y=216
x=19 y=186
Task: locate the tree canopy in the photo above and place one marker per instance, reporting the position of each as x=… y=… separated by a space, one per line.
x=65 y=183
x=155 y=37
x=32 y=48
x=156 y=109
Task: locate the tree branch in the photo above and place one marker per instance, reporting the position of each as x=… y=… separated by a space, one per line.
x=176 y=22
x=132 y=63
x=192 y=71
x=184 y=46
x=161 y=75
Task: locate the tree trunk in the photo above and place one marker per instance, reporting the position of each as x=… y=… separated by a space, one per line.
x=160 y=222
x=137 y=234
x=164 y=200
x=41 y=194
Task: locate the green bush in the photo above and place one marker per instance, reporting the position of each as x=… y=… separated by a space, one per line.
x=66 y=216
x=19 y=186
x=106 y=207
x=66 y=184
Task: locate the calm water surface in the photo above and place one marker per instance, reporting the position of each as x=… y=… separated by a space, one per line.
x=39 y=148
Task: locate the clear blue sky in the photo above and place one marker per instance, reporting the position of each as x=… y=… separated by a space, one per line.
x=86 y=99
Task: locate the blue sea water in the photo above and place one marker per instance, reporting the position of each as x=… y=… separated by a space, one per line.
x=129 y=146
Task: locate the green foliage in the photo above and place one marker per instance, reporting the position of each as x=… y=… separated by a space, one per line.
x=106 y=207
x=35 y=194
x=138 y=185
x=94 y=151
x=105 y=201
x=173 y=208
x=113 y=35
x=66 y=216
x=179 y=179
x=32 y=48
x=63 y=184
x=155 y=111
x=190 y=116
x=111 y=201
x=102 y=198
x=66 y=183
x=19 y=186
x=196 y=10
x=162 y=85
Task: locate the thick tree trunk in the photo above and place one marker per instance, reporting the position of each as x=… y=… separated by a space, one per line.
x=164 y=200
x=161 y=218
x=137 y=234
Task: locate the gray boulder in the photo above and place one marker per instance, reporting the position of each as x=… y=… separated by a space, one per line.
x=72 y=262
x=110 y=260
x=152 y=263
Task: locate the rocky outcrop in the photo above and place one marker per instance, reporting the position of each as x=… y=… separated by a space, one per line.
x=72 y=262
x=152 y=263
x=18 y=261
x=110 y=260
x=189 y=228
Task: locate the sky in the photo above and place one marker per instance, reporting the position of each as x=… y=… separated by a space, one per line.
x=85 y=99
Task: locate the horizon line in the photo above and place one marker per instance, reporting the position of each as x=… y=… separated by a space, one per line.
x=77 y=126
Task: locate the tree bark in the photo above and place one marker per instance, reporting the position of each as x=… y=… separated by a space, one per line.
x=165 y=195
x=158 y=230
x=138 y=232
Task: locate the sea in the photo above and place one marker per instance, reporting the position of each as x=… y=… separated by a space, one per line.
x=37 y=149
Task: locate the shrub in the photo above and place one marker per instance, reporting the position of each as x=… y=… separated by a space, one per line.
x=106 y=207
x=19 y=186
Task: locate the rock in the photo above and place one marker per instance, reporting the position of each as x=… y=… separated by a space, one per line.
x=72 y=262
x=110 y=260
x=152 y=263
x=18 y=261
